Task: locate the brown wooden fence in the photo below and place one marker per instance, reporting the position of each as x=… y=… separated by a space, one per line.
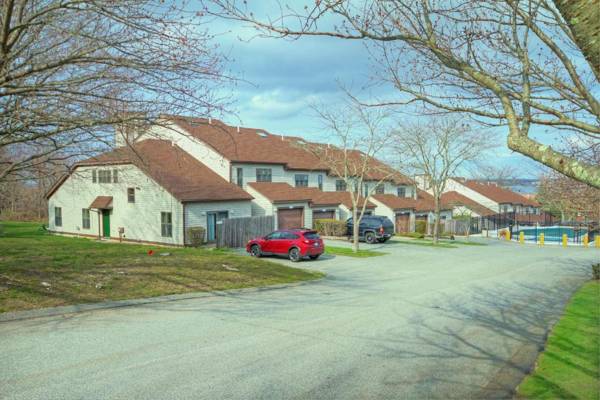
x=235 y=232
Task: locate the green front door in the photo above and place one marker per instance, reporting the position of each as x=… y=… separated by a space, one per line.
x=106 y=223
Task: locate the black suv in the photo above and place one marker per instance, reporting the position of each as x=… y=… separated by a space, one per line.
x=372 y=228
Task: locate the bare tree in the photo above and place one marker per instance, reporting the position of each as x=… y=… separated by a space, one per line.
x=357 y=136
x=436 y=150
x=72 y=70
x=559 y=194
x=513 y=63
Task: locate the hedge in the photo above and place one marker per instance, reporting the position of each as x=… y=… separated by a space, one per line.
x=330 y=227
x=195 y=236
x=421 y=226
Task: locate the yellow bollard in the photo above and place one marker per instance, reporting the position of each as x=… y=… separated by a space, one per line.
x=542 y=239
x=508 y=235
x=597 y=241
x=564 y=240
x=585 y=240
x=522 y=237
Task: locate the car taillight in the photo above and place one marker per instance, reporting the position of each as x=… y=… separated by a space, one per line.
x=381 y=229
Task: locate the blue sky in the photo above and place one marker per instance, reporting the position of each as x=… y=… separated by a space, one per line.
x=279 y=79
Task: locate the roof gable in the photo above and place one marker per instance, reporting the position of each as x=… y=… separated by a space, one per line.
x=179 y=173
x=496 y=193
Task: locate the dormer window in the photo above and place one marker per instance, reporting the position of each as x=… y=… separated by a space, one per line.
x=263 y=175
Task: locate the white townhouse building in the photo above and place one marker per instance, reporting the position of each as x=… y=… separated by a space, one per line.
x=185 y=172
x=150 y=193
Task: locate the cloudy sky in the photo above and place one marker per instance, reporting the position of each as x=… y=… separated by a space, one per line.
x=279 y=79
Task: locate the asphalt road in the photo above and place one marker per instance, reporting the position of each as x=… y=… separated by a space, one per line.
x=417 y=323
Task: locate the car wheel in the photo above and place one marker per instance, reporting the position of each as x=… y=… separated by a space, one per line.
x=314 y=257
x=255 y=251
x=370 y=238
x=294 y=254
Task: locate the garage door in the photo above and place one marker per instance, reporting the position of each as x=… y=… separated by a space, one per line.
x=290 y=218
x=324 y=214
x=402 y=223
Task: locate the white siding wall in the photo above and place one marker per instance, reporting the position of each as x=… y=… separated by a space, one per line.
x=195 y=213
x=141 y=220
x=458 y=211
x=384 y=210
x=454 y=185
x=260 y=204
x=279 y=174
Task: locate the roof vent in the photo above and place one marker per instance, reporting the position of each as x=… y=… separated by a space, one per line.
x=209 y=120
x=238 y=129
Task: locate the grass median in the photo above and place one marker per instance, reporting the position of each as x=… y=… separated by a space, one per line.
x=41 y=270
x=347 y=251
x=569 y=367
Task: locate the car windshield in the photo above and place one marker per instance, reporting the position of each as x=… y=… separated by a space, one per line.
x=311 y=235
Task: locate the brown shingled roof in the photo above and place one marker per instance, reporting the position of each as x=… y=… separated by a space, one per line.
x=179 y=173
x=250 y=145
x=281 y=192
x=456 y=199
x=496 y=193
x=102 y=202
x=394 y=202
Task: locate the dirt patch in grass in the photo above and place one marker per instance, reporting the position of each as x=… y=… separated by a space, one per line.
x=41 y=270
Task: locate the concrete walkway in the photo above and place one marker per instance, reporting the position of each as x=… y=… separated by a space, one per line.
x=417 y=323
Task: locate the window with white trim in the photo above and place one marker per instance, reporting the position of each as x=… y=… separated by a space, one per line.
x=263 y=175
x=57 y=216
x=166 y=224
x=85 y=218
x=301 y=180
x=340 y=185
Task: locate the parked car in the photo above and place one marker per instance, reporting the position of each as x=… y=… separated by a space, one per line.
x=293 y=243
x=372 y=228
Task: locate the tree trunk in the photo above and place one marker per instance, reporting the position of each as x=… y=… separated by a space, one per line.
x=583 y=19
x=355 y=227
x=436 y=222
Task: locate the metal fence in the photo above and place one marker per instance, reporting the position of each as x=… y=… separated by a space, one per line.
x=235 y=232
x=554 y=234
x=532 y=226
x=505 y=220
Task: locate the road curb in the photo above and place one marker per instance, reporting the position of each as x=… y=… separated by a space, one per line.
x=81 y=308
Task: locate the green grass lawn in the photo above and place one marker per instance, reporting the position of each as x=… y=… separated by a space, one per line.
x=569 y=368
x=443 y=243
x=42 y=270
x=347 y=251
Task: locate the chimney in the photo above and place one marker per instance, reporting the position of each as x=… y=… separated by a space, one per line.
x=209 y=120
x=238 y=129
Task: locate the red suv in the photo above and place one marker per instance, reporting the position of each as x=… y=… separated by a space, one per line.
x=294 y=243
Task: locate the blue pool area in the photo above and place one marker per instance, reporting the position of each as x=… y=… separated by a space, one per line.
x=551 y=233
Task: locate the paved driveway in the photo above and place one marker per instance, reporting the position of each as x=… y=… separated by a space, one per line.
x=417 y=323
